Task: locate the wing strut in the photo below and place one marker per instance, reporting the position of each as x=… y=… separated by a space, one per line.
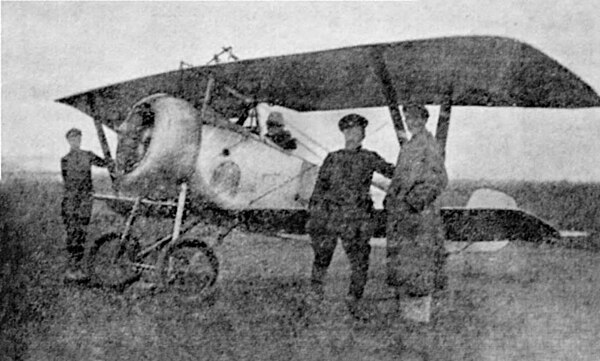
x=207 y=94
x=102 y=137
x=389 y=92
x=443 y=124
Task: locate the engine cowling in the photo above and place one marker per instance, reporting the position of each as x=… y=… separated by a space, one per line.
x=158 y=144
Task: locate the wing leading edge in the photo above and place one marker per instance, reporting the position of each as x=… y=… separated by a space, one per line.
x=463 y=71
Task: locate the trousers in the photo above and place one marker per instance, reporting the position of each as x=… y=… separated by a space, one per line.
x=76 y=212
x=355 y=230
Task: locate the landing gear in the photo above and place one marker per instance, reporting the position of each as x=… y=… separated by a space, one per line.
x=187 y=266
x=112 y=261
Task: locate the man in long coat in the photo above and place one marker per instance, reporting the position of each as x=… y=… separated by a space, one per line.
x=414 y=228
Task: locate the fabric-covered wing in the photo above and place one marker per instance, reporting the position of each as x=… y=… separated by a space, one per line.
x=491 y=71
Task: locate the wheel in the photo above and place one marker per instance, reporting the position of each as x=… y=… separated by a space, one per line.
x=111 y=263
x=190 y=268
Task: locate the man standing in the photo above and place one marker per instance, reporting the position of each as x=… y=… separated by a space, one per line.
x=341 y=206
x=415 y=242
x=77 y=201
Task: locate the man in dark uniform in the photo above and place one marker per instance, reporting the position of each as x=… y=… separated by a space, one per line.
x=341 y=206
x=77 y=201
x=414 y=227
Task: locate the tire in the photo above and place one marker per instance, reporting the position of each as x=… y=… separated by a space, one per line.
x=190 y=268
x=109 y=264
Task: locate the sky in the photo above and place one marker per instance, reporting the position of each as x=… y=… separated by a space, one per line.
x=54 y=49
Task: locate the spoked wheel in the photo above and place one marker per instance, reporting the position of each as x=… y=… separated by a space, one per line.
x=111 y=264
x=189 y=268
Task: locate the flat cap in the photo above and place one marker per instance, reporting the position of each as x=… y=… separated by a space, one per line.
x=73 y=132
x=352 y=120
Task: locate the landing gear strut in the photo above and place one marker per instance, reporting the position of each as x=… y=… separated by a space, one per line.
x=187 y=266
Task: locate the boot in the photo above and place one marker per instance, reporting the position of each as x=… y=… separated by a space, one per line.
x=357 y=309
x=318 y=275
x=75 y=273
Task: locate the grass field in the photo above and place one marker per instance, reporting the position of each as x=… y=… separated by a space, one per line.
x=525 y=302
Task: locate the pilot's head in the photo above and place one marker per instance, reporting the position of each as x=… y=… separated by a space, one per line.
x=275 y=120
x=416 y=116
x=74 y=138
x=353 y=126
x=275 y=123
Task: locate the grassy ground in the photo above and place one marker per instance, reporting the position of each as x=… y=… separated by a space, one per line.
x=534 y=302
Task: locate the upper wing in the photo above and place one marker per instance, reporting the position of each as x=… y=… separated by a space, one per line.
x=473 y=70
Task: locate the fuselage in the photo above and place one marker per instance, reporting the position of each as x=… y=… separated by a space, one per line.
x=166 y=141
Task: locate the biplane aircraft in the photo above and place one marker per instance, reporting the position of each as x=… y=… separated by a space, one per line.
x=191 y=142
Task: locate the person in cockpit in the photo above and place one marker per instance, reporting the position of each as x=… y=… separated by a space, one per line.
x=277 y=134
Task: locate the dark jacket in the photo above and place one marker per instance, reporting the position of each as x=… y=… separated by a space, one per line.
x=345 y=178
x=76 y=169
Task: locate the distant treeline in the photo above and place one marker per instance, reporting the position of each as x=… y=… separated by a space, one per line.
x=565 y=205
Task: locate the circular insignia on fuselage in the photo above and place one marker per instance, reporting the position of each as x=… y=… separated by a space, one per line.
x=225 y=178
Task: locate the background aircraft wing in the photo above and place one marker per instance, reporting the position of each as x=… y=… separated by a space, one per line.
x=472 y=70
